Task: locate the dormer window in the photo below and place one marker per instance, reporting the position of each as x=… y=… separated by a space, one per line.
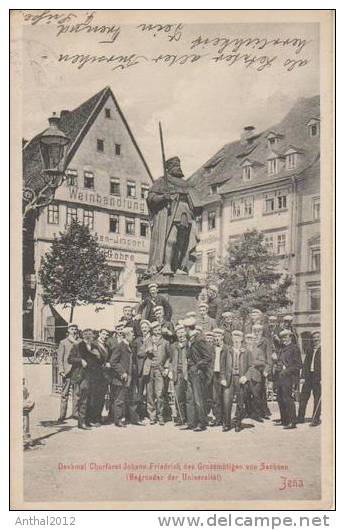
x=247 y=173
x=273 y=166
x=213 y=189
x=273 y=138
x=314 y=127
x=291 y=161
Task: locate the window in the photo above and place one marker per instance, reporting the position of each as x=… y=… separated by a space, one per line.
x=72 y=177
x=53 y=214
x=117 y=149
x=313 y=130
x=211 y=220
x=247 y=172
x=144 y=229
x=275 y=201
x=100 y=145
x=316 y=209
x=281 y=244
x=269 y=243
x=314 y=127
x=144 y=191
x=130 y=226
x=131 y=189
x=213 y=189
x=315 y=259
x=242 y=208
x=71 y=215
x=198 y=263
x=272 y=141
x=107 y=113
x=114 y=224
x=314 y=298
x=211 y=261
x=114 y=186
x=89 y=180
x=198 y=221
x=291 y=161
x=273 y=166
x=114 y=286
x=88 y=218
x=281 y=202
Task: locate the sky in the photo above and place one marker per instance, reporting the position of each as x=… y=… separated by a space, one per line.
x=202 y=105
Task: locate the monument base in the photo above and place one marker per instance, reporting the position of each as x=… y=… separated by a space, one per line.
x=181 y=291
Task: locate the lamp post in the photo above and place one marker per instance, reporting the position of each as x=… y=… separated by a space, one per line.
x=53 y=148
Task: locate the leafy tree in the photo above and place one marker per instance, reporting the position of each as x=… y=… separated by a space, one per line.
x=74 y=272
x=249 y=277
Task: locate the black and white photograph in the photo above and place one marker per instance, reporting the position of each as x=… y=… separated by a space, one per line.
x=172 y=191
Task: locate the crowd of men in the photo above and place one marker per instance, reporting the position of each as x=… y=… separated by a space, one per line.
x=215 y=368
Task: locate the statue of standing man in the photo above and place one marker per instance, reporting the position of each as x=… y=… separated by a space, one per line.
x=172 y=221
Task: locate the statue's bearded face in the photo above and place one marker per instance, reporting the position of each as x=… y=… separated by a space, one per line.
x=176 y=171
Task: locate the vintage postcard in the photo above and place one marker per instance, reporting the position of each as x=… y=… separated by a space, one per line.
x=172 y=259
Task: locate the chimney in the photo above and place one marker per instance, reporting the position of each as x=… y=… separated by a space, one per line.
x=248 y=135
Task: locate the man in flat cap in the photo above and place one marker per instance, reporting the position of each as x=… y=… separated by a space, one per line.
x=146 y=307
x=206 y=322
x=233 y=367
x=168 y=330
x=172 y=219
x=199 y=360
x=311 y=376
x=178 y=372
x=287 y=365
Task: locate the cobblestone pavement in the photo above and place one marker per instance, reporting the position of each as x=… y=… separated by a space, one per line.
x=160 y=463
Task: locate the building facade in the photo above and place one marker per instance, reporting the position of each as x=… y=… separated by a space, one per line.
x=269 y=181
x=106 y=184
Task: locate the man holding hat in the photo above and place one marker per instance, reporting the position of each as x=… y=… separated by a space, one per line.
x=233 y=367
x=156 y=370
x=199 y=361
x=311 y=376
x=179 y=372
x=146 y=308
x=204 y=320
x=287 y=368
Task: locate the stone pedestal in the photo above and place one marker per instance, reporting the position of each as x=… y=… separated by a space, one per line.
x=181 y=291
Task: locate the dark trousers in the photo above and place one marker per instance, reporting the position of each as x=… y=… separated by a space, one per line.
x=234 y=390
x=66 y=387
x=141 y=408
x=217 y=407
x=258 y=401
x=131 y=403
x=196 y=406
x=180 y=387
x=118 y=397
x=155 y=394
x=285 y=400
x=311 y=385
x=98 y=390
x=82 y=393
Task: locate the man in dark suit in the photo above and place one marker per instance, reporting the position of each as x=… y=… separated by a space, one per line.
x=260 y=359
x=178 y=372
x=311 y=374
x=168 y=331
x=142 y=344
x=233 y=367
x=121 y=368
x=146 y=308
x=287 y=365
x=199 y=360
x=65 y=371
x=100 y=388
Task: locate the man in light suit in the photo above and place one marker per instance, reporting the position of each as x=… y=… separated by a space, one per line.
x=65 y=371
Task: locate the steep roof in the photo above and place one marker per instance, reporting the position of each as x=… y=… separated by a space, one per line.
x=225 y=168
x=75 y=125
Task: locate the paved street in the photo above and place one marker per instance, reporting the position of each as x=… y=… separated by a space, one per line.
x=168 y=463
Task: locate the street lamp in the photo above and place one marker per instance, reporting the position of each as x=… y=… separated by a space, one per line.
x=53 y=148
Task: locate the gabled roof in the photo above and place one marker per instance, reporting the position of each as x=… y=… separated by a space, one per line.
x=292 y=129
x=75 y=124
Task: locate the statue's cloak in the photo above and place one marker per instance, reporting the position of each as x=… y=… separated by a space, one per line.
x=162 y=219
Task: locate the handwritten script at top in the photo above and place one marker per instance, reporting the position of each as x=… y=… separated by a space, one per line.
x=258 y=53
